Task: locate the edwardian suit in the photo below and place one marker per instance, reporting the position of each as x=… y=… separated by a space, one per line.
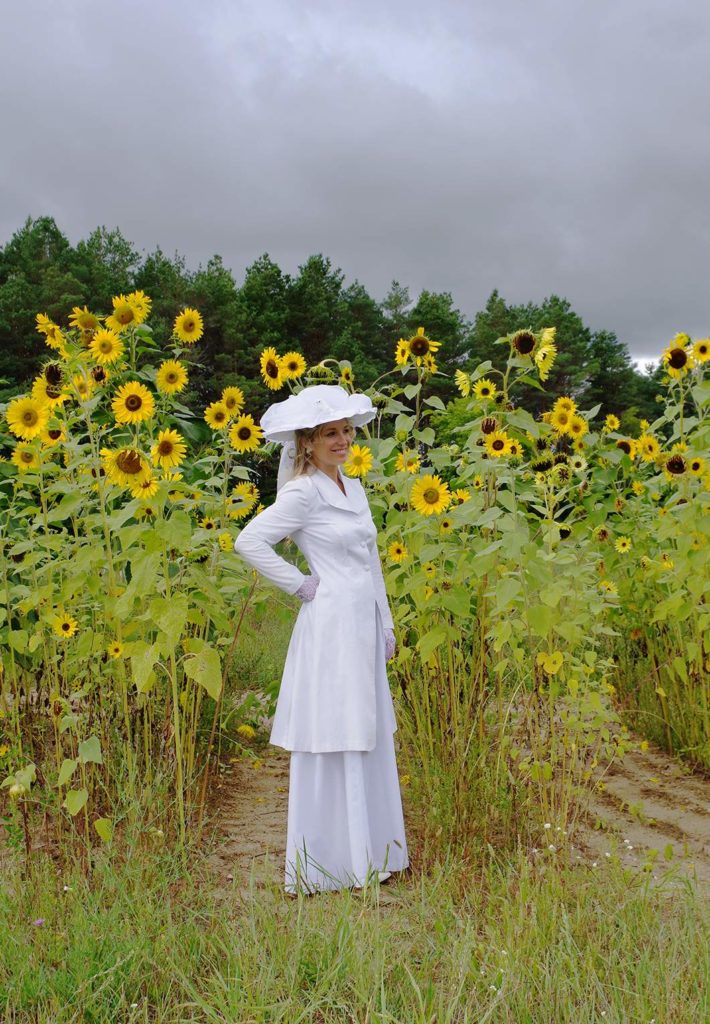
x=334 y=710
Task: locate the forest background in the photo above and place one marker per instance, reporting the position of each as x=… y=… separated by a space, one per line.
x=315 y=312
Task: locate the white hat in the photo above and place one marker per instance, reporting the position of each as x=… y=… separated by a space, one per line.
x=319 y=403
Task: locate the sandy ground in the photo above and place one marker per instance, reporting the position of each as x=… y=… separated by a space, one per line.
x=650 y=802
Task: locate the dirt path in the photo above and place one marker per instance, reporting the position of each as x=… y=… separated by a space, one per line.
x=650 y=802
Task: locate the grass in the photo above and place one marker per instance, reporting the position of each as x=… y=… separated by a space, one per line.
x=509 y=941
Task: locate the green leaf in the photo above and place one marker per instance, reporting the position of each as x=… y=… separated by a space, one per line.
x=428 y=643
x=104 y=828
x=17 y=639
x=457 y=601
x=435 y=402
x=540 y=618
x=66 y=771
x=75 y=800
x=170 y=615
x=90 y=750
x=206 y=669
x=143 y=661
x=412 y=389
x=176 y=531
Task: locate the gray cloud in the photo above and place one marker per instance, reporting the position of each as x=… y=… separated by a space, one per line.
x=536 y=148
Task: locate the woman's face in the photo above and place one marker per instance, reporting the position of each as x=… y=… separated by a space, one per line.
x=330 y=448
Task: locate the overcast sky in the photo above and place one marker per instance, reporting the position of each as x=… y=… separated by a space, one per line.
x=534 y=146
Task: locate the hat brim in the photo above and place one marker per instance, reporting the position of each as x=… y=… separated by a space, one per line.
x=281 y=420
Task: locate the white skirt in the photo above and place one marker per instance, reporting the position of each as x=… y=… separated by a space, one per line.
x=345 y=821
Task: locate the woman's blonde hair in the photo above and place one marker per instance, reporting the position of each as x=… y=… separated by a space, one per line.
x=304 y=439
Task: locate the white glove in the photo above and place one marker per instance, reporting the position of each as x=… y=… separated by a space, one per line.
x=307 y=590
x=390 y=644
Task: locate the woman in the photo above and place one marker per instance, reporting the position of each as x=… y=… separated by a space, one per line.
x=334 y=711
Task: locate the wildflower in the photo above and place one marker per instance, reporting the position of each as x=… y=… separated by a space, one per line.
x=637 y=487
x=47 y=388
x=608 y=586
x=550 y=663
x=27 y=417
x=408 y=461
x=246 y=731
x=397 y=551
x=293 y=365
x=115 y=650
x=141 y=304
x=247 y=492
x=233 y=398
x=106 y=347
x=244 y=434
x=359 y=461
x=430 y=495
x=484 y=389
x=446 y=526
x=430 y=363
x=623 y=545
x=420 y=346
x=188 y=326
x=578 y=464
x=133 y=403
x=497 y=444
x=701 y=350
x=489 y=424
x=83 y=386
x=667 y=562
x=429 y=570
x=169 y=450
x=217 y=415
x=611 y=422
x=271 y=369
x=171 y=377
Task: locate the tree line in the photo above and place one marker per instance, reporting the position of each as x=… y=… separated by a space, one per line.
x=315 y=312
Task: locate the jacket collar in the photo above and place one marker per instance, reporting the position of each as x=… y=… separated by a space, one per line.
x=330 y=492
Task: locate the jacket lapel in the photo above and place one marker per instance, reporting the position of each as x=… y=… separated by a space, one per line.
x=330 y=492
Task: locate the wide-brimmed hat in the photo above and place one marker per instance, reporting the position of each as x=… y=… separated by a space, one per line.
x=319 y=403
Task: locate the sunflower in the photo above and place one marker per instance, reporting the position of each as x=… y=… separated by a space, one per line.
x=420 y=346
x=244 y=434
x=484 y=389
x=601 y=533
x=217 y=415
x=566 y=403
x=133 y=403
x=497 y=444
x=247 y=492
x=293 y=365
x=124 y=314
x=446 y=525
x=627 y=445
x=638 y=488
x=207 y=523
x=430 y=364
x=560 y=420
x=623 y=545
x=225 y=541
x=106 y=347
x=408 y=461
x=171 y=377
x=141 y=305
x=248 y=732
x=578 y=427
x=169 y=450
x=611 y=422
x=124 y=466
x=489 y=425
x=98 y=374
x=115 y=650
x=347 y=376
x=608 y=587
x=52 y=435
x=233 y=398
x=401 y=352
x=648 y=448
x=188 y=326
x=523 y=342
x=145 y=488
x=696 y=465
x=27 y=417
x=359 y=461
x=544 y=358
x=64 y=625
x=397 y=551
x=677 y=358
x=675 y=464
x=701 y=350
x=461 y=496
x=578 y=464
x=515 y=449
x=430 y=495
x=52 y=333
x=25 y=458
x=271 y=369
x=83 y=320
x=478 y=482
x=462 y=382
x=47 y=392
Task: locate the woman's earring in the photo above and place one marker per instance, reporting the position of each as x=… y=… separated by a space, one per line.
x=309 y=452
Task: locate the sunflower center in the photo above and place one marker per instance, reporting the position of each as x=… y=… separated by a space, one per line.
x=129 y=462
x=188 y=324
x=66 y=627
x=125 y=315
x=133 y=403
x=498 y=445
x=272 y=369
x=625 y=446
x=676 y=465
x=54 y=434
x=431 y=495
x=99 y=374
x=106 y=345
x=244 y=433
x=26 y=457
x=524 y=343
x=166 y=447
x=419 y=346
x=53 y=374
x=171 y=377
x=678 y=358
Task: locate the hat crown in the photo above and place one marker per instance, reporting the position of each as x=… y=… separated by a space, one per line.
x=314 y=405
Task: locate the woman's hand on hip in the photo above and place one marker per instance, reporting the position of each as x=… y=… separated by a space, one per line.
x=390 y=644
x=307 y=590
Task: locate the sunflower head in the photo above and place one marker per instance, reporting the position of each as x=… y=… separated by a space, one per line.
x=188 y=326
x=489 y=425
x=676 y=464
x=522 y=342
x=217 y=415
x=293 y=365
x=430 y=495
x=420 y=345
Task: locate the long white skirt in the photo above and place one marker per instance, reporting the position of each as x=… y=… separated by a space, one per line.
x=345 y=821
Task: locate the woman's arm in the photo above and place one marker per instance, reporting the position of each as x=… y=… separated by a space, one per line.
x=255 y=542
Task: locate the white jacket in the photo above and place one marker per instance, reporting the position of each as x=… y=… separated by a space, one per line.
x=327 y=697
